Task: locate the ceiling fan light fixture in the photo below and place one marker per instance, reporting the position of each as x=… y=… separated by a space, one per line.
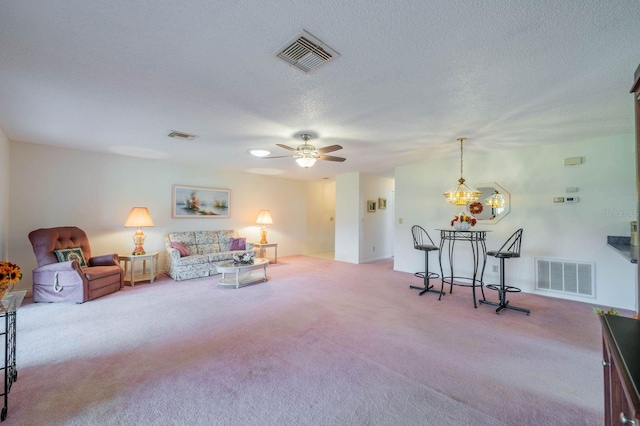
x=306 y=154
x=306 y=162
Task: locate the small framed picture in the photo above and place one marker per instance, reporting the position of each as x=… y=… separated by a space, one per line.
x=198 y=202
x=382 y=203
x=371 y=205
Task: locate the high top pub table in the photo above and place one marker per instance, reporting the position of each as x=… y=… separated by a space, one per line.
x=476 y=239
x=8 y=310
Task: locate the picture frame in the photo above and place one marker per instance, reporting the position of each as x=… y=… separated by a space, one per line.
x=382 y=203
x=197 y=202
x=371 y=205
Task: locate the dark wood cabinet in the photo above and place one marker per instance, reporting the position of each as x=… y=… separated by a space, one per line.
x=621 y=363
x=636 y=101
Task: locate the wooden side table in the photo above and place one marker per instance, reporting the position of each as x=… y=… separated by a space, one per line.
x=261 y=248
x=135 y=276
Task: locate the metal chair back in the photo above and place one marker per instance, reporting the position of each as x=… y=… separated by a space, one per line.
x=511 y=247
x=421 y=238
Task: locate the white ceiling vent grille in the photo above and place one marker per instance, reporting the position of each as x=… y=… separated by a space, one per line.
x=306 y=52
x=181 y=135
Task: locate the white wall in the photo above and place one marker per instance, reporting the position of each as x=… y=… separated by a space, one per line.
x=533 y=176
x=376 y=238
x=363 y=236
x=4 y=196
x=348 y=206
x=58 y=186
x=321 y=202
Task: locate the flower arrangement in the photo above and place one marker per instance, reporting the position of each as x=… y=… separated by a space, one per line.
x=243 y=259
x=600 y=311
x=463 y=217
x=10 y=274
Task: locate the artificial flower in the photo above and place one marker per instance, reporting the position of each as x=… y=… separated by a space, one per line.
x=463 y=217
x=10 y=273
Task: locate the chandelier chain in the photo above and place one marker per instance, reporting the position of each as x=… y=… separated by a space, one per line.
x=461 y=140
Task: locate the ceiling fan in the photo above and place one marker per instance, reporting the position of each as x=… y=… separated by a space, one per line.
x=307 y=154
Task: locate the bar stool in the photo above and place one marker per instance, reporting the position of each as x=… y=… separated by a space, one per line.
x=422 y=241
x=509 y=250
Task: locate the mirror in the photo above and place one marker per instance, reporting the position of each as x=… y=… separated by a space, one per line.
x=482 y=212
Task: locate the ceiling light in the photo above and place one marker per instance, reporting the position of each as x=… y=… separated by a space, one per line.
x=259 y=152
x=461 y=194
x=306 y=161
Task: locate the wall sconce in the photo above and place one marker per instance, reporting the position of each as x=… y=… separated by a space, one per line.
x=138 y=217
x=264 y=218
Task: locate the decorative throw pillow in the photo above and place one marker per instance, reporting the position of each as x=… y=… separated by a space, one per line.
x=238 y=243
x=74 y=253
x=184 y=251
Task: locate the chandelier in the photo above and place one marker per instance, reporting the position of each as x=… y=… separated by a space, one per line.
x=495 y=201
x=461 y=194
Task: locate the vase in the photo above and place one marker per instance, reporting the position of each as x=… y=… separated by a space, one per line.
x=461 y=226
x=4 y=287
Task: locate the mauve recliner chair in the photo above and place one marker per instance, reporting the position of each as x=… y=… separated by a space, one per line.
x=55 y=281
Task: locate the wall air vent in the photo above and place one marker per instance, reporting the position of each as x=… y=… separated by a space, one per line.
x=568 y=277
x=306 y=52
x=181 y=135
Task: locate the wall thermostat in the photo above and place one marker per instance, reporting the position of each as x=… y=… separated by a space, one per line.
x=571 y=199
x=573 y=161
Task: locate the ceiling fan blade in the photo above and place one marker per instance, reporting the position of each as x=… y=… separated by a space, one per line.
x=286 y=147
x=331 y=158
x=328 y=149
x=280 y=156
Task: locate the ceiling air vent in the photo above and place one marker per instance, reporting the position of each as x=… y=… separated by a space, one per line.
x=181 y=135
x=306 y=52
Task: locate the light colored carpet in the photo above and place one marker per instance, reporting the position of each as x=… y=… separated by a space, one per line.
x=321 y=343
x=331 y=255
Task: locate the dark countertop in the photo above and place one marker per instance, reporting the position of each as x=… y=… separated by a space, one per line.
x=623 y=247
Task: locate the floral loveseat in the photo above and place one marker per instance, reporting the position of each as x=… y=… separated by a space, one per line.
x=201 y=250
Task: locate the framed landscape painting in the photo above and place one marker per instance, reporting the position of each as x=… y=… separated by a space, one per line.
x=382 y=203
x=199 y=202
x=371 y=206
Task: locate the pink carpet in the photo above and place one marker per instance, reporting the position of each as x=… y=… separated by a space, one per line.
x=320 y=343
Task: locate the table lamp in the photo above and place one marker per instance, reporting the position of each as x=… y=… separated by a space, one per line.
x=264 y=218
x=138 y=217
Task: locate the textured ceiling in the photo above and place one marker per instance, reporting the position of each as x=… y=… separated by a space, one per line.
x=117 y=76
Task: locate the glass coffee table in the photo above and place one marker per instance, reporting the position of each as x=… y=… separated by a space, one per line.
x=238 y=274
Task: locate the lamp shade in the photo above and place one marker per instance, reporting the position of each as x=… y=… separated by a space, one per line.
x=264 y=218
x=138 y=217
